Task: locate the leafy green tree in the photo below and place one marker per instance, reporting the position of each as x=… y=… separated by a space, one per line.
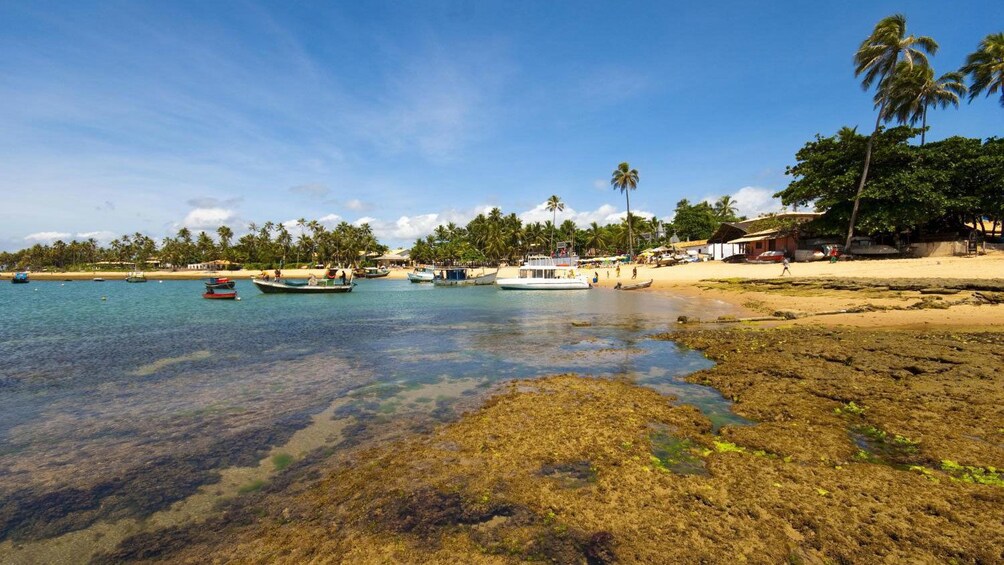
x=877 y=59
x=985 y=67
x=625 y=179
x=697 y=221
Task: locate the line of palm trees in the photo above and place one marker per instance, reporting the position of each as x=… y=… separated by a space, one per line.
x=897 y=65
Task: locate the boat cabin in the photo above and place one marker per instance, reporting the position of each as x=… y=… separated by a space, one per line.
x=453 y=274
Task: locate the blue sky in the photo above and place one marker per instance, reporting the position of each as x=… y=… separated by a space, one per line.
x=118 y=117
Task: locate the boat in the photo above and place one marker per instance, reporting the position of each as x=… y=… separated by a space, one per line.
x=422 y=274
x=374 y=272
x=461 y=276
x=98 y=279
x=547 y=273
x=20 y=278
x=634 y=286
x=865 y=247
x=135 y=277
x=310 y=286
x=219 y=283
x=213 y=295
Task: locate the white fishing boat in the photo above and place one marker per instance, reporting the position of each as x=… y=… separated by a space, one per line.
x=462 y=276
x=547 y=273
x=422 y=274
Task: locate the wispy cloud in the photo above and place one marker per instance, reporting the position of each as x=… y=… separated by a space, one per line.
x=46 y=236
x=101 y=236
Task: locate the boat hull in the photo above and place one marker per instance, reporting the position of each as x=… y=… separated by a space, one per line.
x=634 y=286
x=220 y=295
x=273 y=287
x=135 y=280
x=221 y=285
x=483 y=280
x=576 y=283
x=420 y=277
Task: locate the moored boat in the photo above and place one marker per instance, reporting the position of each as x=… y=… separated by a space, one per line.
x=422 y=274
x=20 y=278
x=547 y=273
x=462 y=276
x=634 y=286
x=220 y=283
x=98 y=279
x=213 y=295
x=136 y=277
x=374 y=272
x=310 y=286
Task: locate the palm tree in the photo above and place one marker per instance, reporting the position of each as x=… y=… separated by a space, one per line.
x=596 y=237
x=915 y=88
x=877 y=59
x=985 y=67
x=625 y=179
x=725 y=208
x=554 y=205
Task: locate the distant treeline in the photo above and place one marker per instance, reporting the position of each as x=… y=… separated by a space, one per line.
x=270 y=244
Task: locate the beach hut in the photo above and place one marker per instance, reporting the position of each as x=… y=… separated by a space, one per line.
x=396 y=257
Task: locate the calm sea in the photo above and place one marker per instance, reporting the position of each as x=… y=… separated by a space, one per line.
x=120 y=400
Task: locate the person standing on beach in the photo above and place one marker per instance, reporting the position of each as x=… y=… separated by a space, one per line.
x=618 y=270
x=634 y=273
x=786 y=269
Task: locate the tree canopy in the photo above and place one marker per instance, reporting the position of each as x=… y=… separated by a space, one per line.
x=941 y=184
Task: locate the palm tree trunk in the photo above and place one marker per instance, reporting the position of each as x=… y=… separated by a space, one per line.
x=554 y=216
x=864 y=177
x=923 y=132
x=627 y=195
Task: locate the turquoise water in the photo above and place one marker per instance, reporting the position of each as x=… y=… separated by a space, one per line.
x=116 y=398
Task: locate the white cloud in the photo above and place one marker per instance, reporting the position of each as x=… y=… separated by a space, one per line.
x=600 y=184
x=209 y=218
x=752 y=201
x=407 y=229
x=604 y=215
x=101 y=236
x=330 y=219
x=46 y=236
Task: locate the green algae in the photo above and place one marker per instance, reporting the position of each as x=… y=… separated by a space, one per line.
x=281 y=460
x=671 y=454
x=977 y=475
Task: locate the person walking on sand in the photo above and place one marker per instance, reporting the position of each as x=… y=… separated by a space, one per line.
x=786 y=269
x=618 y=270
x=634 y=273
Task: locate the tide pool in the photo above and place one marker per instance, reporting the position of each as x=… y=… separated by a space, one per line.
x=118 y=400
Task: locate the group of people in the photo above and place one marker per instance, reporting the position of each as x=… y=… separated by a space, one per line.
x=312 y=280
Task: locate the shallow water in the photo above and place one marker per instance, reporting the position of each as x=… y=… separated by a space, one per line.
x=119 y=402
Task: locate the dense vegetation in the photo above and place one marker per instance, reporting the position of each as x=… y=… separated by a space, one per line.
x=266 y=246
x=937 y=186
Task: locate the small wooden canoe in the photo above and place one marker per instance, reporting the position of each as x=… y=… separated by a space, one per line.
x=634 y=286
x=220 y=295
